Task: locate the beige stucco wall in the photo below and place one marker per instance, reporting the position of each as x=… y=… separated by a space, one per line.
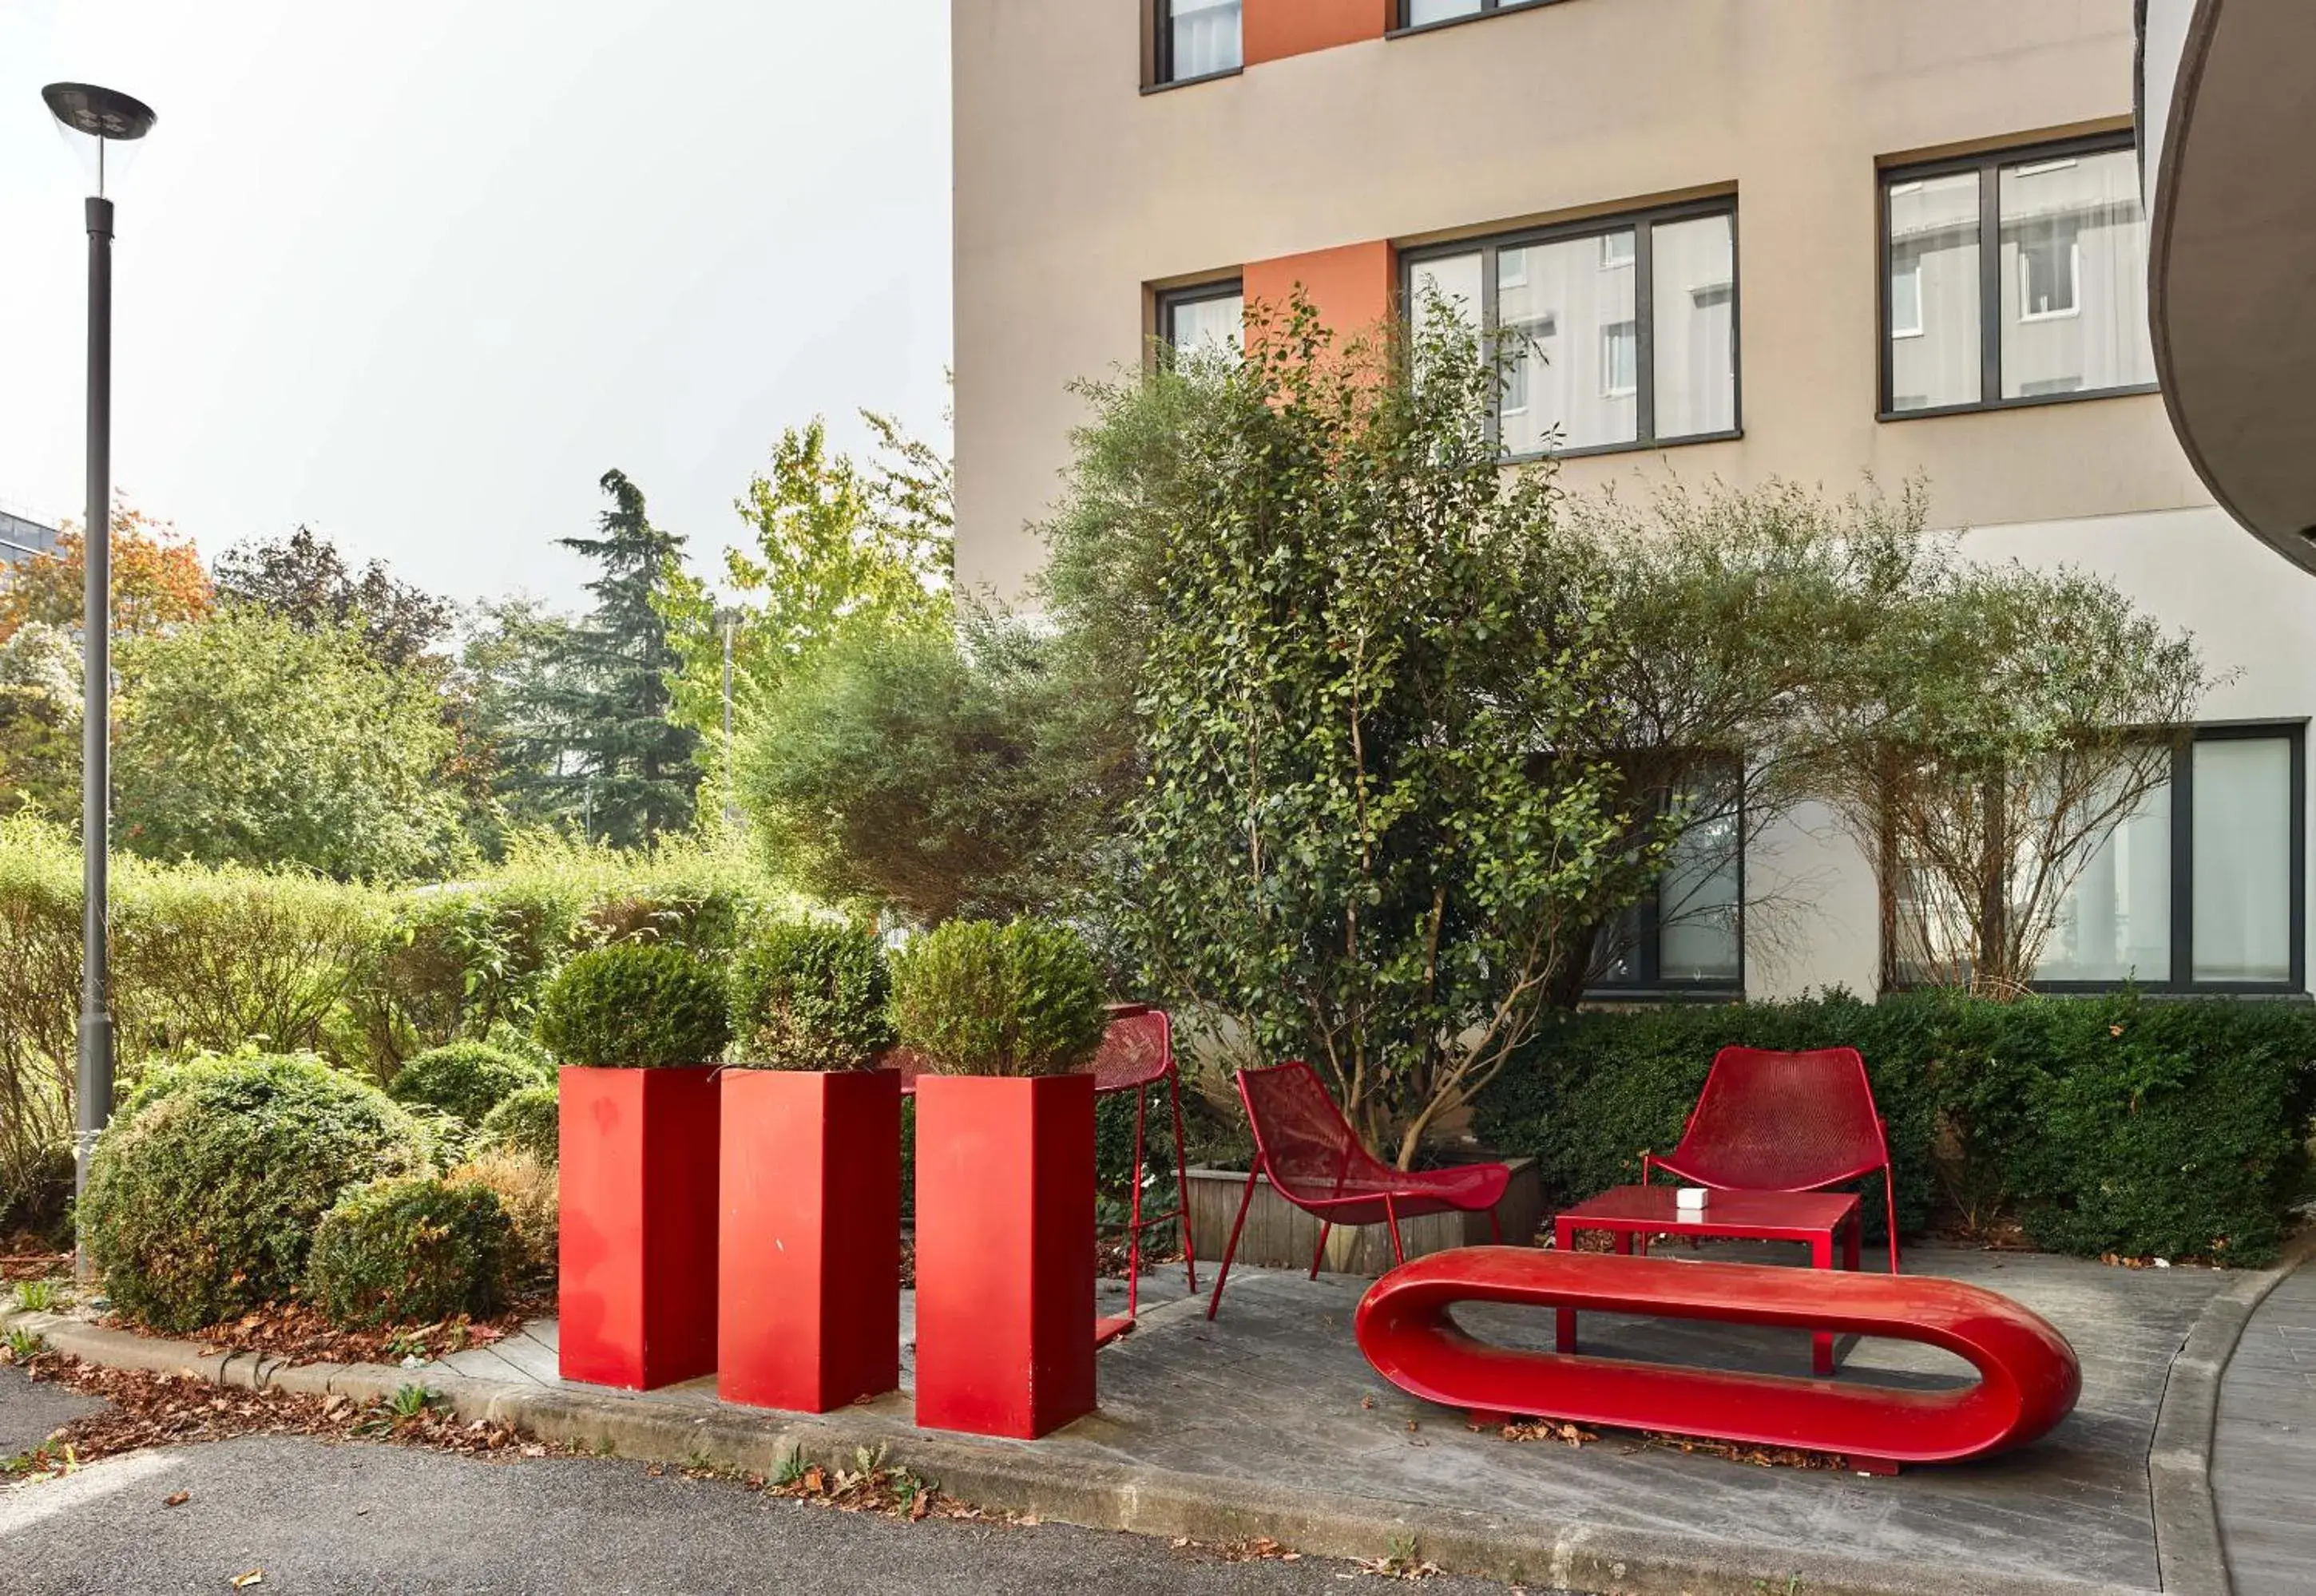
x=1074 y=191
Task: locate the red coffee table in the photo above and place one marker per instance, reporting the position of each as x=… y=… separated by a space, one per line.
x=1817 y=1217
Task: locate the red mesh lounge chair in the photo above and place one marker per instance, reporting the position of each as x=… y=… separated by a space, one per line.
x=1783 y=1122
x=1317 y=1163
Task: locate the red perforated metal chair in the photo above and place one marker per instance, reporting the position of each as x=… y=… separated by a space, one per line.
x=1136 y=1053
x=1316 y=1161
x=1783 y=1122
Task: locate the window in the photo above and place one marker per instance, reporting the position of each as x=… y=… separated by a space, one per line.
x=1421 y=13
x=2200 y=889
x=1615 y=333
x=1198 y=39
x=2056 y=309
x=1689 y=933
x=1210 y=318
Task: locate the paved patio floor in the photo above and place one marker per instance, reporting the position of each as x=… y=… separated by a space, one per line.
x=2264 y=1449
x=1276 y=1392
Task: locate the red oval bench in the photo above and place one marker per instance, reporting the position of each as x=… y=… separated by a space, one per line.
x=2028 y=1378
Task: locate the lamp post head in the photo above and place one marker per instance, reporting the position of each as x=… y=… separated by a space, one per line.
x=99 y=116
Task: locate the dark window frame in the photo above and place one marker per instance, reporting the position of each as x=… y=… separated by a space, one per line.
x=1400 y=27
x=1641 y=223
x=1649 y=980
x=1162 y=51
x=2180 y=980
x=1988 y=166
x=1172 y=300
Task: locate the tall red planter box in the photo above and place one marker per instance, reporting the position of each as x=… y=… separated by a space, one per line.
x=1005 y=1240
x=808 y=1293
x=637 y=1253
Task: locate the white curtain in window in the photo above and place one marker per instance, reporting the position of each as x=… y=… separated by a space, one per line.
x=1934 y=325
x=1419 y=12
x=1208 y=325
x=2116 y=923
x=1205 y=37
x=2242 y=846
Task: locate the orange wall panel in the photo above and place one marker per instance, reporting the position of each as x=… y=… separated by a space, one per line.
x=1274 y=29
x=1351 y=287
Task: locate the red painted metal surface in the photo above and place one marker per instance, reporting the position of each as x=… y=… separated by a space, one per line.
x=1316 y=1161
x=1632 y=1214
x=638 y=1250
x=1004 y=1252
x=808 y=1295
x=2028 y=1378
x=1783 y=1122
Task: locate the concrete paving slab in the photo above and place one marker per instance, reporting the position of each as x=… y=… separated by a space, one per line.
x=2263 y=1445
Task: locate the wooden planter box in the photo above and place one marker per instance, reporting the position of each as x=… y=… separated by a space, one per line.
x=1280 y=1236
x=1005 y=1263
x=636 y=1180
x=808 y=1297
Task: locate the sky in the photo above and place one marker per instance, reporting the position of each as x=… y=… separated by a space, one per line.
x=416 y=273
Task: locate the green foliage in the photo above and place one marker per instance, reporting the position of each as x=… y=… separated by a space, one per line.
x=932 y=773
x=205 y=1192
x=2101 y=1125
x=528 y=1121
x=812 y=994
x=411 y=1252
x=304 y=579
x=464 y=1079
x=1017 y=1000
x=40 y=722
x=246 y=740
x=527 y=1189
x=1361 y=838
x=636 y=1005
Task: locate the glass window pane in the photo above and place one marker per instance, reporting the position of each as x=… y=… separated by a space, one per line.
x=1568 y=326
x=2074 y=276
x=2116 y=923
x=2242 y=845
x=1419 y=12
x=1211 y=324
x=1694 y=323
x=1454 y=280
x=1205 y=37
x=1934 y=312
x=1697 y=902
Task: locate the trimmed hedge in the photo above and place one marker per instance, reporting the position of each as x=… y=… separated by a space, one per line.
x=411 y=1252
x=529 y=1121
x=636 y=1007
x=2111 y=1124
x=205 y=1192
x=1021 y=998
x=466 y=1078
x=810 y=995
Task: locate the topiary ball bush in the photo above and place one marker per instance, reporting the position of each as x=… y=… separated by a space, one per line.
x=1021 y=998
x=529 y=1121
x=636 y=1005
x=466 y=1078
x=411 y=1252
x=204 y=1194
x=808 y=994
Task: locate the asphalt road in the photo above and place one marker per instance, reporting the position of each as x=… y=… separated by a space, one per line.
x=321 y=1517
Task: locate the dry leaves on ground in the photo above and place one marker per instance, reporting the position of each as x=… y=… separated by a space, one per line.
x=33 y=1266
x=298 y=1334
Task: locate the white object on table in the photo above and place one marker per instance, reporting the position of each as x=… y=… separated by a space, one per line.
x=1690 y=1199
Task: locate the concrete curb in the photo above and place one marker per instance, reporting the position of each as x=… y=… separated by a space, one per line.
x=2189 y=1555
x=1013 y=1477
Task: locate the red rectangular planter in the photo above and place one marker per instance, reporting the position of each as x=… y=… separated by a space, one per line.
x=1004 y=1253
x=637 y=1254
x=808 y=1297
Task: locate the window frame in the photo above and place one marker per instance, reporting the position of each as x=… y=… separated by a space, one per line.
x=1641 y=223
x=1171 y=301
x=1400 y=27
x=1162 y=51
x=1988 y=166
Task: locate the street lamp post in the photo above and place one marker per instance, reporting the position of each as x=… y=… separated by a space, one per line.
x=102 y=116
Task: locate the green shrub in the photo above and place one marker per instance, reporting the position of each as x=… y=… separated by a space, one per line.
x=810 y=995
x=1021 y=998
x=529 y=1122
x=2099 y=1124
x=634 y=1006
x=527 y=1189
x=204 y=1194
x=466 y=1078
x=411 y=1252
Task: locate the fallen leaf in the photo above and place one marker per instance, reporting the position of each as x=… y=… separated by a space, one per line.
x=176 y=1499
x=255 y=1576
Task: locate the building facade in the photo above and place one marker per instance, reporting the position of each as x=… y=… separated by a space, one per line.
x=21 y=539
x=1818 y=240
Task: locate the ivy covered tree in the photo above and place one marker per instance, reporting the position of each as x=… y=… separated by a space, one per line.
x=626 y=771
